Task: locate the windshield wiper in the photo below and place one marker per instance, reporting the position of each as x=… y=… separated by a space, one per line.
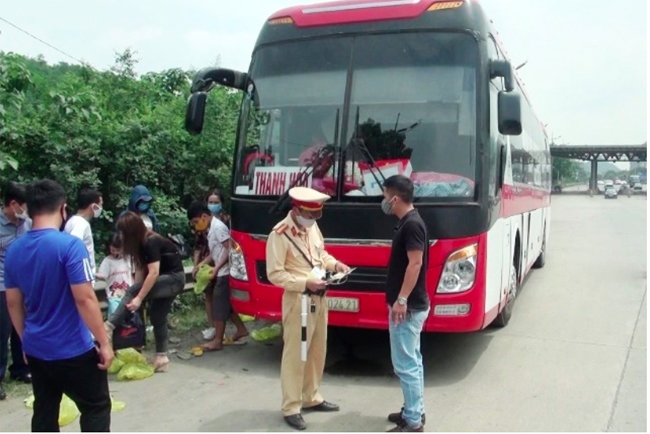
x=326 y=151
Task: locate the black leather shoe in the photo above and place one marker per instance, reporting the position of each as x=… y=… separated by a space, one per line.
x=397 y=418
x=3 y=395
x=25 y=378
x=296 y=421
x=323 y=406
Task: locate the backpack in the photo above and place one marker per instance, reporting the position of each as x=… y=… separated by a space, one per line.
x=181 y=245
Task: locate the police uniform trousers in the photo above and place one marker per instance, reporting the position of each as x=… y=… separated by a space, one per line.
x=301 y=380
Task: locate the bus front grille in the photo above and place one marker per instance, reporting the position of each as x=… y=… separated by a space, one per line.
x=363 y=279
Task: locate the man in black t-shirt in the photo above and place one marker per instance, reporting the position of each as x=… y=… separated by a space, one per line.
x=407 y=298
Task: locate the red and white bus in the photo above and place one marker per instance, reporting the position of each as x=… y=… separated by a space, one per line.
x=341 y=95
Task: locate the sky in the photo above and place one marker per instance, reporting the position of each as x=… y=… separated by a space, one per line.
x=586 y=70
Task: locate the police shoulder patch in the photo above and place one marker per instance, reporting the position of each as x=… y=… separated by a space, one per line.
x=279 y=229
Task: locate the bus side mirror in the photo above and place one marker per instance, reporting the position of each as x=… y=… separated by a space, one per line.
x=509 y=113
x=502 y=68
x=195 y=113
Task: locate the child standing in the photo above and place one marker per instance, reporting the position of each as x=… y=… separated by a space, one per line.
x=116 y=271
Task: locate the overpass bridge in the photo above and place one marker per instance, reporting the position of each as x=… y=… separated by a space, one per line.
x=596 y=153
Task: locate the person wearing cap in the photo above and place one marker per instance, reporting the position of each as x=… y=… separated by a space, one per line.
x=296 y=261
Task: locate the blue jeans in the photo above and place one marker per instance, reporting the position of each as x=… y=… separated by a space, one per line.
x=18 y=367
x=407 y=363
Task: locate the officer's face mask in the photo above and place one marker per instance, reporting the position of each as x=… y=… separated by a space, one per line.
x=305 y=222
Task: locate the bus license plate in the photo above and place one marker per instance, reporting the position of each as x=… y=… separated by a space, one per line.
x=340 y=304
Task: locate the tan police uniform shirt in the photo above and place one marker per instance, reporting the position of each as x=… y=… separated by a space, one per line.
x=285 y=265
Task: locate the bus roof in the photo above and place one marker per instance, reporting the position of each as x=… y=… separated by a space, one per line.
x=355 y=11
x=359 y=11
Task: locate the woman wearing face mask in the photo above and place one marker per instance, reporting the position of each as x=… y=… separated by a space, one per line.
x=216 y=205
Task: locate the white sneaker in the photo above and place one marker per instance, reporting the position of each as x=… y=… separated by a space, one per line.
x=208 y=334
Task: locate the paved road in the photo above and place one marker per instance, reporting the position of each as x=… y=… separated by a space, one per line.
x=585 y=188
x=572 y=359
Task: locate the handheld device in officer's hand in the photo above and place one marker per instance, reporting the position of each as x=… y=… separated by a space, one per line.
x=338 y=278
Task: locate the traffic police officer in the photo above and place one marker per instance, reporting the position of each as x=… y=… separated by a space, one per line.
x=296 y=261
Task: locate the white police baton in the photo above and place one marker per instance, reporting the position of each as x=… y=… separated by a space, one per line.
x=303 y=331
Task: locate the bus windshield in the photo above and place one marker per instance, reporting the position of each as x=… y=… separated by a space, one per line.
x=412 y=111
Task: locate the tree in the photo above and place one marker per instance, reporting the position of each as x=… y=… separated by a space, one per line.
x=113 y=130
x=565 y=170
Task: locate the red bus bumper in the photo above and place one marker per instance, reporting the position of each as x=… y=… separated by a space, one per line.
x=264 y=300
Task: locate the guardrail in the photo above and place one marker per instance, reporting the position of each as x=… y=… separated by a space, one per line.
x=100 y=288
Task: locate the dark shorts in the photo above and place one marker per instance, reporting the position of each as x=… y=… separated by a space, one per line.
x=209 y=289
x=221 y=308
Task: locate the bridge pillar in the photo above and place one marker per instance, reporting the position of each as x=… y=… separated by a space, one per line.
x=593 y=179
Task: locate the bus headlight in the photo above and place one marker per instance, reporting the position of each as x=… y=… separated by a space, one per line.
x=459 y=272
x=237 y=262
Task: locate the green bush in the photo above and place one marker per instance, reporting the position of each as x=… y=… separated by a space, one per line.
x=113 y=130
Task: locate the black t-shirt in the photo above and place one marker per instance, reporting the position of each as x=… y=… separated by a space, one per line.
x=160 y=249
x=410 y=234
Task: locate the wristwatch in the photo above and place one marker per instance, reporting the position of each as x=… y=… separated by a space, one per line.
x=401 y=301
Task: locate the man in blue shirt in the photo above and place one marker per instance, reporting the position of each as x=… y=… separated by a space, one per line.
x=13 y=224
x=54 y=309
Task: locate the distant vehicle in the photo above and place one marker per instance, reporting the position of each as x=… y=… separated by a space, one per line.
x=557 y=188
x=600 y=186
x=637 y=187
x=617 y=182
x=608 y=182
x=634 y=180
x=610 y=192
x=623 y=182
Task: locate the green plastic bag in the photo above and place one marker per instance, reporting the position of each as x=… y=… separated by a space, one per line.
x=129 y=355
x=68 y=410
x=117 y=405
x=202 y=278
x=115 y=366
x=246 y=318
x=267 y=333
x=135 y=371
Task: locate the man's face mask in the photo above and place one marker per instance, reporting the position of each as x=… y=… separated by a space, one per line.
x=20 y=212
x=144 y=206
x=387 y=205
x=97 y=210
x=201 y=224
x=64 y=217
